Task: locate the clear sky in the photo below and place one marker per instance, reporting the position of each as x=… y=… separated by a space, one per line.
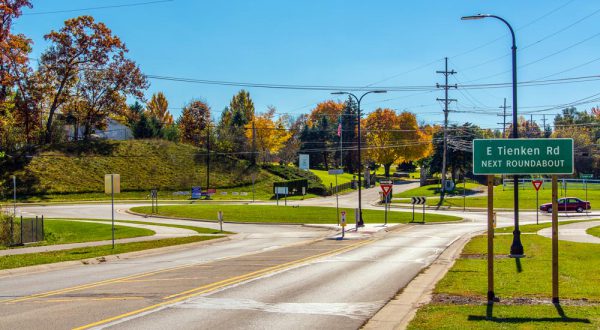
x=351 y=43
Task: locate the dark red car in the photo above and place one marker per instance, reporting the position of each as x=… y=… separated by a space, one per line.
x=568 y=204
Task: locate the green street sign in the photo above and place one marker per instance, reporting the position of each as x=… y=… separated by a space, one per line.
x=523 y=156
x=586 y=176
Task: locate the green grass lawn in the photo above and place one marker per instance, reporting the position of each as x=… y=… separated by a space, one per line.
x=578 y=276
x=330 y=179
x=503 y=198
x=282 y=214
x=433 y=190
x=59 y=231
x=32 y=259
x=595 y=231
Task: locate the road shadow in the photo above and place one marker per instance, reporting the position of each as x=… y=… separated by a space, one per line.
x=561 y=317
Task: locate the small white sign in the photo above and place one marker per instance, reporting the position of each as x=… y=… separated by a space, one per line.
x=303 y=161
x=116 y=183
x=336 y=172
x=281 y=190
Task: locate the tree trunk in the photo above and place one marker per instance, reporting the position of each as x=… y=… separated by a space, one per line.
x=387 y=169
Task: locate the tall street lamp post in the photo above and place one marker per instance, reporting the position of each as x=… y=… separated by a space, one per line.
x=361 y=223
x=516 y=249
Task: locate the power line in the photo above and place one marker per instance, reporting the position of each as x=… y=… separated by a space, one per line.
x=96 y=8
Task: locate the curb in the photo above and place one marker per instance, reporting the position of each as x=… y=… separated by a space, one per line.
x=401 y=309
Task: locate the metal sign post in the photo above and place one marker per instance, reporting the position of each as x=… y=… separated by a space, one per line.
x=386 y=188
x=220 y=217
x=537 y=184
x=14 y=195
x=356 y=218
x=112 y=186
x=343 y=223
x=418 y=201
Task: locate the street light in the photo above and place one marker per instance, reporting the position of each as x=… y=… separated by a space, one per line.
x=516 y=249
x=361 y=223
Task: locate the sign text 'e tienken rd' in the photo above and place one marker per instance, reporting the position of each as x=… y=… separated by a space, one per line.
x=522 y=156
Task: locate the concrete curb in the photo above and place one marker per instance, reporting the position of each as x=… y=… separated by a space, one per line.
x=399 y=311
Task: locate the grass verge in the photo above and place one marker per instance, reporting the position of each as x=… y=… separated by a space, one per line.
x=31 y=259
x=524 y=287
x=282 y=214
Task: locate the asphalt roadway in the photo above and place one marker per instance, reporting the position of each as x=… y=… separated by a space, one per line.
x=266 y=277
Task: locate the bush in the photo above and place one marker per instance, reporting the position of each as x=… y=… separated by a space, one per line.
x=315 y=186
x=5 y=221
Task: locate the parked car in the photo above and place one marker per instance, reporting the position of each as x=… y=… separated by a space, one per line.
x=568 y=204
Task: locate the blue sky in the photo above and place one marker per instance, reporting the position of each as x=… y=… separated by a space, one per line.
x=351 y=43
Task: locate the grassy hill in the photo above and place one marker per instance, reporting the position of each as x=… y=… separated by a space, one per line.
x=79 y=168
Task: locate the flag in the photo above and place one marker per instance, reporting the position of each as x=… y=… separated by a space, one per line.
x=340 y=129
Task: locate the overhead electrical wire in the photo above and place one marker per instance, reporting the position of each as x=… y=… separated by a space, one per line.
x=96 y=8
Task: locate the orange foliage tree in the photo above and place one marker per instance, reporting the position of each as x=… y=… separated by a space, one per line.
x=395 y=138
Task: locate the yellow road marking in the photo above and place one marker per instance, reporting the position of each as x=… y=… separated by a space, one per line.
x=217 y=285
x=117 y=280
x=86 y=299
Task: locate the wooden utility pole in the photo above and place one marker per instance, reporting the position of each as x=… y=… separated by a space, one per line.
x=554 y=239
x=446 y=101
x=490 y=237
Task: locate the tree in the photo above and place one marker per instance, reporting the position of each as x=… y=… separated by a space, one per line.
x=87 y=61
x=266 y=134
x=158 y=106
x=350 y=135
x=194 y=122
x=14 y=49
x=526 y=129
x=232 y=126
x=460 y=157
x=291 y=147
x=395 y=138
x=331 y=109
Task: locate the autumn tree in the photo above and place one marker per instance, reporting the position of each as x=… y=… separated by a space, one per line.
x=266 y=134
x=158 y=107
x=331 y=109
x=291 y=147
x=14 y=49
x=85 y=61
x=194 y=123
x=395 y=138
x=526 y=129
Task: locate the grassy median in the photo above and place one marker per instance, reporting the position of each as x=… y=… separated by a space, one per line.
x=523 y=285
x=283 y=214
x=594 y=231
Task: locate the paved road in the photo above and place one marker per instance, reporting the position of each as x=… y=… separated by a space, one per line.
x=265 y=277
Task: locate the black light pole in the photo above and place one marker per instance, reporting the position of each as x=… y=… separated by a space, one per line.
x=361 y=223
x=516 y=249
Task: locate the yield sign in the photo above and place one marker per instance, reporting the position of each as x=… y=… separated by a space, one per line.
x=386 y=188
x=537 y=184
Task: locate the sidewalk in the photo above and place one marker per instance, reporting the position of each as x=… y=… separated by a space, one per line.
x=161 y=232
x=574 y=232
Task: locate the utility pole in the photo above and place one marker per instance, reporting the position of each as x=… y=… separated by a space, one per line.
x=207 y=160
x=503 y=115
x=446 y=101
x=544 y=121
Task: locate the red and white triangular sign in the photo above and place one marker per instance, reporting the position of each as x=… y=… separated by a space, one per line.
x=537 y=184
x=386 y=188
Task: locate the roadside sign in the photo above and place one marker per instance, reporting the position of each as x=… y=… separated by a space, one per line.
x=537 y=184
x=418 y=200
x=112 y=183
x=385 y=182
x=211 y=191
x=522 y=156
x=386 y=188
x=153 y=193
x=336 y=172
x=196 y=192
x=281 y=190
x=343 y=220
x=586 y=176
x=303 y=161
